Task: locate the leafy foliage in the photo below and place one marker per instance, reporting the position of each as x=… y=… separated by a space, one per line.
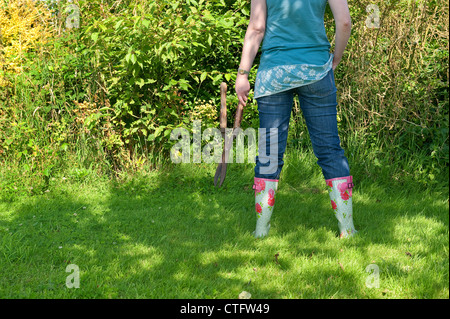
x=23 y=26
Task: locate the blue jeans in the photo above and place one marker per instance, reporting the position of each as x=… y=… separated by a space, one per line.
x=318 y=103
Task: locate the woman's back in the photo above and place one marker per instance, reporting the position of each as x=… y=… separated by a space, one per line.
x=295 y=33
x=295 y=50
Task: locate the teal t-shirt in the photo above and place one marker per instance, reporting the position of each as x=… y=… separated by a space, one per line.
x=295 y=49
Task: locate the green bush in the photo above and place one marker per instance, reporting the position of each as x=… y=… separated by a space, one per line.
x=156 y=60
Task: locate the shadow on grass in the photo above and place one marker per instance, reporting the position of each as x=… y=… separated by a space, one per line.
x=172 y=234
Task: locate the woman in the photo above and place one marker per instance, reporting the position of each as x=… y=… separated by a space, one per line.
x=296 y=60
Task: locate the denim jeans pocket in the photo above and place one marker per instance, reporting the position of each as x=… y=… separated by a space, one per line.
x=323 y=87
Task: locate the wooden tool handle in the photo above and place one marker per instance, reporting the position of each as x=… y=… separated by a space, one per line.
x=223 y=105
x=238 y=117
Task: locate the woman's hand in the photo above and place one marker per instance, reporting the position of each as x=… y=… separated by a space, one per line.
x=335 y=63
x=242 y=88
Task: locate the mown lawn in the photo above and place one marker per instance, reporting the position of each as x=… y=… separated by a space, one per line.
x=171 y=234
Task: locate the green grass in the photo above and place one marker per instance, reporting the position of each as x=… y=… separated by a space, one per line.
x=170 y=233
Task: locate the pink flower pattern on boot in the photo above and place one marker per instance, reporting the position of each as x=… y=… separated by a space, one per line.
x=333 y=205
x=258 y=208
x=345 y=196
x=260 y=185
x=342 y=187
x=271 y=200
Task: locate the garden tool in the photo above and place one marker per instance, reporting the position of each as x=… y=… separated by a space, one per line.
x=228 y=141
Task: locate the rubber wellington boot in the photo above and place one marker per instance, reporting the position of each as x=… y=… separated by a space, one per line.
x=265 y=190
x=340 y=191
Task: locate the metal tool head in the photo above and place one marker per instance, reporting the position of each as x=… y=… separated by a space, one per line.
x=222 y=169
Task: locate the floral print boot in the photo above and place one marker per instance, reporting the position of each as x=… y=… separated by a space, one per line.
x=265 y=190
x=340 y=191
